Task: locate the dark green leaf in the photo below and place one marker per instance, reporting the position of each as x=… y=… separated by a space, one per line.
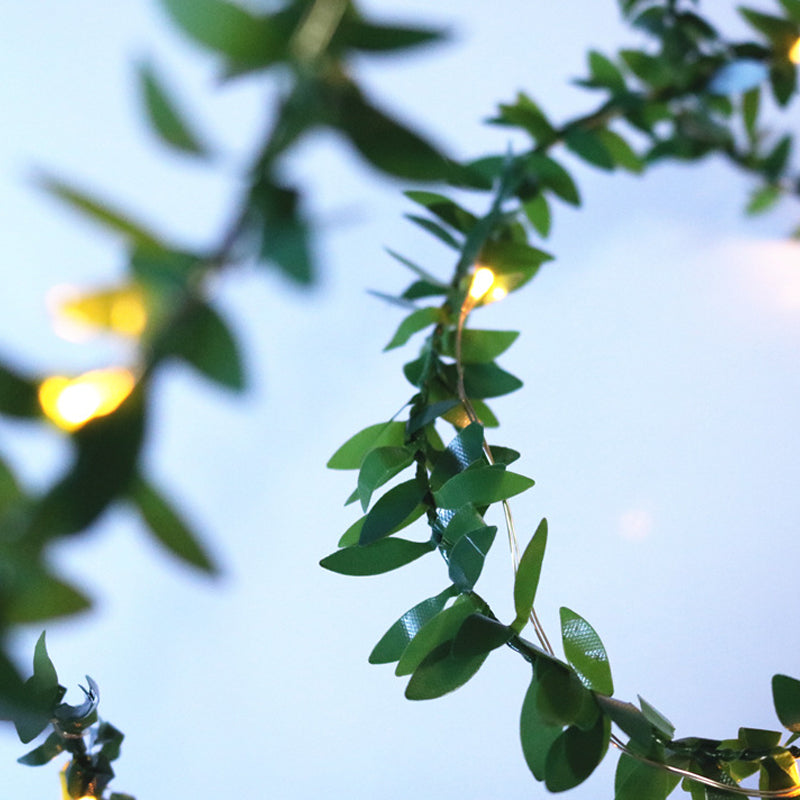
x=446 y=209
x=480 y=634
x=657 y=719
x=416 y=321
x=464 y=521
x=629 y=719
x=465 y=449
x=376 y=558
x=420 y=289
x=394 y=642
x=420 y=418
x=99 y=211
x=361 y=35
x=786 y=696
x=441 y=672
x=526 y=114
x=478 y=347
x=537 y=735
x=750 y=105
x=759 y=739
x=554 y=177
x=467 y=556
x=481 y=486
x=352 y=452
x=484 y=380
x=585 y=651
x=775 y=163
x=588 y=146
x=783 y=78
x=110 y=740
x=390 y=511
x=378 y=466
x=527 y=578
x=48 y=750
x=18 y=395
x=561 y=696
x=38 y=596
x=605 y=72
x=435 y=229
x=574 y=755
x=164 y=116
x=636 y=780
x=792 y=9
x=780 y=31
x=622 y=153
x=537 y=210
x=166 y=525
x=41 y=692
x=202 y=338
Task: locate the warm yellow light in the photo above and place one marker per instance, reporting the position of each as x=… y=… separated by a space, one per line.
x=794 y=53
x=71 y=403
x=122 y=310
x=482 y=282
x=497 y=293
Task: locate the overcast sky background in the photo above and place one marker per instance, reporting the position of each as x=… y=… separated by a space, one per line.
x=658 y=418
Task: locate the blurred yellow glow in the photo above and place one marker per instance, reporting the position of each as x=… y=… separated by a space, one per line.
x=121 y=310
x=497 y=293
x=482 y=282
x=794 y=53
x=72 y=402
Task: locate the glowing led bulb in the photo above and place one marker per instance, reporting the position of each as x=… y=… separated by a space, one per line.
x=71 y=403
x=121 y=310
x=482 y=282
x=794 y=53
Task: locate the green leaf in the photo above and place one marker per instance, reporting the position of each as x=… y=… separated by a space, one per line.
x=464 y=521
x=574 y=755
x=783 y=79
x=763 y=199
x=536 y=733
x=390 y=511
x=376 y=558
x=165 y=117
x=537 y=210
x=416 y=321
x=636 y=780
x=18 y=395
x=657 y=719
x=585 y=651
x=52 y=746
x=382 y=141
x=440 y=629
x=372 y=38
x=378 y=466
x=786 y=696
x=526 y=114
x=168 y=528
x=38 y=596
x=480 y=634
x=605 y=72
x=483 y=380
x=629 y=719
x=759 y=739
x=463 y=451
x=446 y=209
x=477 y=346
x=527 y=578
x=467 y=556
x=779 y=31
x=751 y=102
x=202 y=338
x=588 y=146
x=41 y=692
x=774 y=164
x=10 y=491
x=441 y=672
x=481 y=486
x=554 y=177
x=394 y=642
x=561 y=696
x=352 y=452
x=779 y=773
x=435 y=229
x=621 y=152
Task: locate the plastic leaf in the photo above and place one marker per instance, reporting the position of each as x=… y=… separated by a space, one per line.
x=352 y=452
x=527 y=578
x=574 y=755
x=462 y=452
x=553 y=177
x=779 y=773
x=446 y=209
x=481 y=486
x=585 y=652
x=378 y=466
x=480 y=634
x=751 y=102
x=168 y=528
x=164 y=116
x=434 y=228
x=369 y=37
x=657 y=719
x=561 y=695
x=483 y=380
x=537 y=735
x=588 y=146
x=48 y=750
x=628 y=719
x=392 y=509
x=376 y=558
x=416 y=321
x=763 y=199
x=526 y=114
x=479 y=347
x=537 y=210
x=786 y=696
x=441 y=672
x=619 y=149
x=394 y=642
x=605 y=72
x=636 y=780
x=467 y=556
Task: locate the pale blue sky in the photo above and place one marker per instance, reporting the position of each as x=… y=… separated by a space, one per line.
x=658 y=418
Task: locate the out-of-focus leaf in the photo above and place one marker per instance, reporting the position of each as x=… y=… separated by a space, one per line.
x=537 y=210
x=35 y=596
x=585 y=652
x=783 y=79
x=527 y=578
x=621 y=152
x=167 y=526
x=751 y=102
x=605 y=72
x=446 y=209
x=391 y=510
x=352 y=452
x=780 y=31
x=481 y=486
x=18 y=395
x=526 y=114
x=574 y=755
x=164 y=115
x=375 y=558
x=394 y=642
x=98 y=211
x=47 y=751
x=774 y=164
x=479 y=347
x=416 y=321
x=434 y=228
x=383 y=141
x=588 y=146
x=372 y=38
x=441 y=672
x=467 y=557
x=636 y=780
x=763 y=199
x=786 y=697
x=202 y=338
x=378 y=466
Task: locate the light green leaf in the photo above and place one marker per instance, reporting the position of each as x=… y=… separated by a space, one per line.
x=763 y=199
x=554 y=177
x=537 y=210
x=392 y=509
x=376 y=558
x=378 y=466
x=477 y=346
x=585 y=652
x=481 y=486
x=164 y=116
x=352 y=452
x=527 y=578
x=416 y=321
x=628 y=718
x=605 y=72
x=786 y=696
x=394 y=642
x=636 y=780
x=657 y=719
x=751 y=102
x=619 y=149
x=167 y=527
x=446 y=209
